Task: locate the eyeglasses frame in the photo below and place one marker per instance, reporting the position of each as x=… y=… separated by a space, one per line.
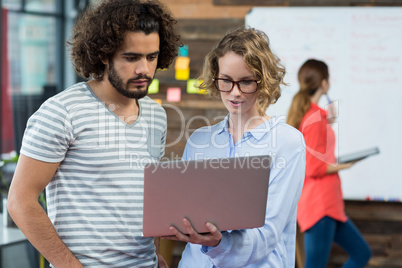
x=236 y=83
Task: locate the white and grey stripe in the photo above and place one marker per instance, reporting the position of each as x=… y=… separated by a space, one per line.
x=95 y=199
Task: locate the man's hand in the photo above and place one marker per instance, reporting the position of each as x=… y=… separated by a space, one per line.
x=211 y=239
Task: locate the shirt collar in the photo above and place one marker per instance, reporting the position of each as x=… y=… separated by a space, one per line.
x=315 y=107
x=258 y=133
x=261 y=130
x=223 y=125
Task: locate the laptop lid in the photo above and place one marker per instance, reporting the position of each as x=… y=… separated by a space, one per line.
x=228 y=192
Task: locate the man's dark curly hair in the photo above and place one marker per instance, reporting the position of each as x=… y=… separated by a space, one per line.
x=99 y=32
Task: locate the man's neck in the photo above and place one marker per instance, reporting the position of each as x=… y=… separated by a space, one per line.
x=127 y=109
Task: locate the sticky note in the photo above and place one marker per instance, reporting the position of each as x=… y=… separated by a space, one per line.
x=183 y=51
x=153 y=87
x=159 y=101
x=182 y=63
x=173 y=94
x=182 y=74
x=192 y=86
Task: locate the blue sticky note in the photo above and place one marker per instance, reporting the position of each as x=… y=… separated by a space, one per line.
x=183 y=51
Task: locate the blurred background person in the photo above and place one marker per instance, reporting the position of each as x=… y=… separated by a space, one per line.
x=321 y=214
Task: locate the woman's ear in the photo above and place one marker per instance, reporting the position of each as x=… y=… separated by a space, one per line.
x=324 y=85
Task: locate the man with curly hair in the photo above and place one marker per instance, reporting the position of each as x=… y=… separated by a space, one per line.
x=88 y=144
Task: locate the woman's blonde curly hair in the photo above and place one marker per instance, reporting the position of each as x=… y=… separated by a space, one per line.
x=253 y=46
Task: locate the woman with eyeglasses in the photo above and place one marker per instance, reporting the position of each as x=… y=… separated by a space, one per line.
x=246 y=75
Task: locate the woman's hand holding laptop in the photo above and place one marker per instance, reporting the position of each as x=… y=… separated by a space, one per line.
x=211 y=239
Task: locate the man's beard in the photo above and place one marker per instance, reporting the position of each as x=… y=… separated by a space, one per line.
x=116 y=81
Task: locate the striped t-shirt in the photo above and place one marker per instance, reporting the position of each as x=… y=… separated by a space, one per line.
x=95 y=199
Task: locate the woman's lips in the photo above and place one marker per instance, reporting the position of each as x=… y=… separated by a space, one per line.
x=235 y=103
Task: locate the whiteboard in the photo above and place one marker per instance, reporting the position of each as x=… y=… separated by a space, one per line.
x=363 y=49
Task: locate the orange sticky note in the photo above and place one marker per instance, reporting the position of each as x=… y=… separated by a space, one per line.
x=173 y=94
x=159 y=101
x=182 y=63
x=182 y=74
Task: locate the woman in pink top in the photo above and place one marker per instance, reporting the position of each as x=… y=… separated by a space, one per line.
x=320 y=211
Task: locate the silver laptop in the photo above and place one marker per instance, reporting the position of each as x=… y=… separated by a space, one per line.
x=228 y=192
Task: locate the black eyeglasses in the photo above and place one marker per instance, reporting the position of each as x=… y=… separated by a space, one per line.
x=245 y=86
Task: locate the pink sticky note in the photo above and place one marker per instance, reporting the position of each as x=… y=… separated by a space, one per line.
x=173 y=94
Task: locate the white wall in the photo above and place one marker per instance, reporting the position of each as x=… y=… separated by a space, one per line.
x=363 y=49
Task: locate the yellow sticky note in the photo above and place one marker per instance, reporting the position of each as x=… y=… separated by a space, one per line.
x=153 y=87
x=182 y=74
x=182 y=63
x=173 y=94
x=192 y=86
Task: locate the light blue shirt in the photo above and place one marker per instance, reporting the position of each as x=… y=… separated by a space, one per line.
x=272 y=245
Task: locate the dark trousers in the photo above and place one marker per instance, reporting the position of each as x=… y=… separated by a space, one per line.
x=319 y=238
